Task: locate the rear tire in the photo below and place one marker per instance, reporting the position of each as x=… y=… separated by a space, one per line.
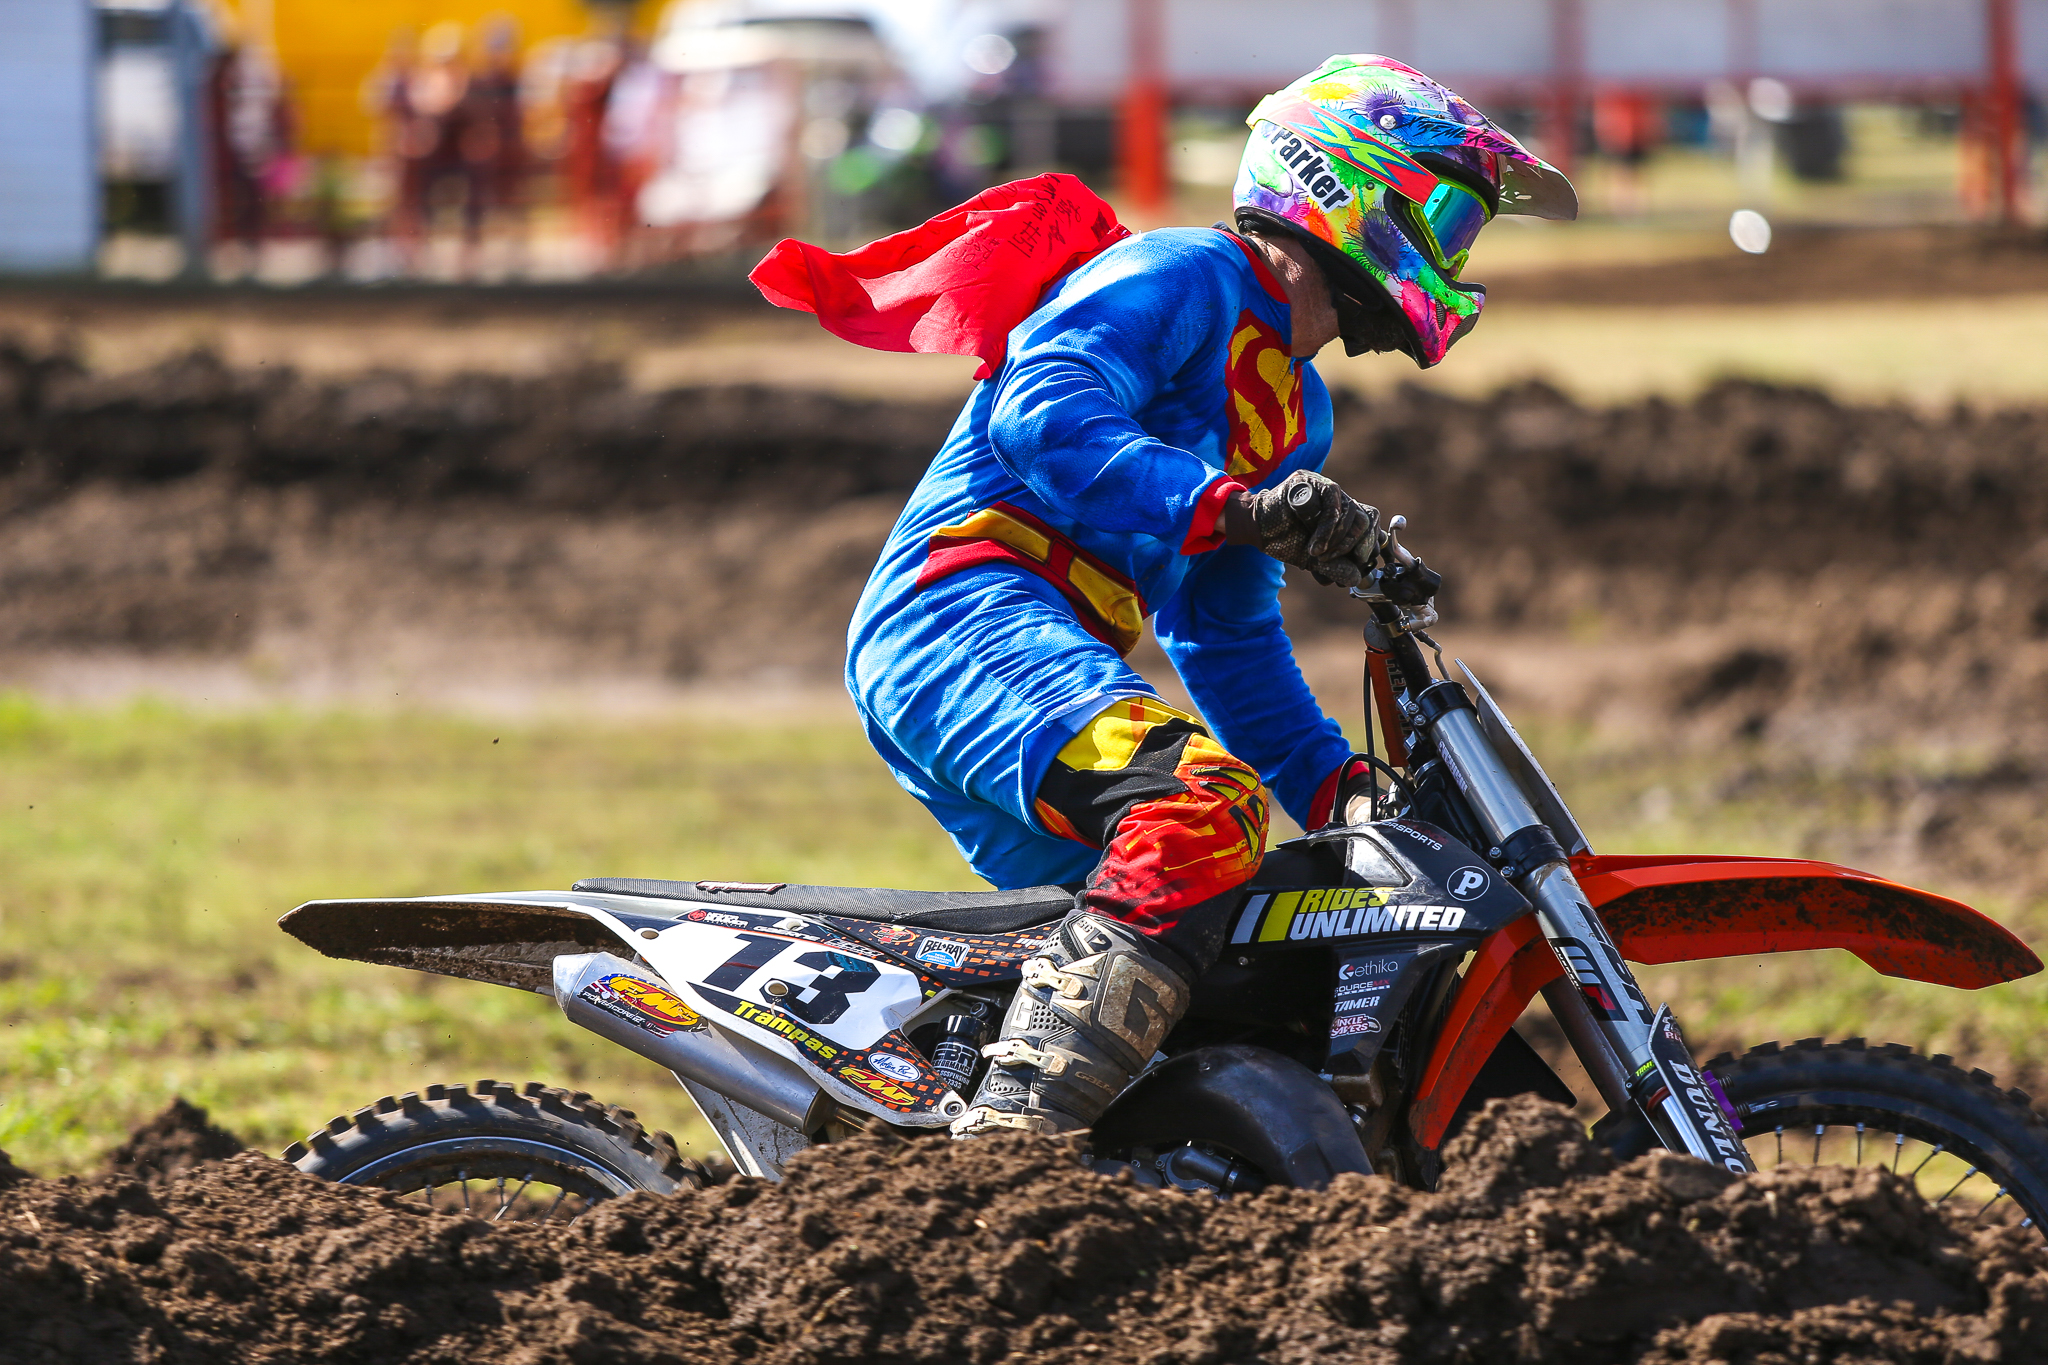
x=531 y=1153
x=1957 y=1133
x=1262 y=1117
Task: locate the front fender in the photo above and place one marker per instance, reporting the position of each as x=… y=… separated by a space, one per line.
x=1684 y=909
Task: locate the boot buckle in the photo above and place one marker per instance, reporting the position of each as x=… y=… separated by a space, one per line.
x=982 y=1119
x=1039 y=971
x=1017 y=1052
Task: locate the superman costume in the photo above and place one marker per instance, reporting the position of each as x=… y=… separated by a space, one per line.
x=1079 y=493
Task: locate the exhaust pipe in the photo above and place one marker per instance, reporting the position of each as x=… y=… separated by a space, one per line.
x=630 y=1006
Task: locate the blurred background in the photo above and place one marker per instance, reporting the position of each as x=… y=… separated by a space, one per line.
x=401 y=492
x=287 y=140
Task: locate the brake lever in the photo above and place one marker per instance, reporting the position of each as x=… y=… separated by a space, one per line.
x=1403 y=580
x=1394 y=548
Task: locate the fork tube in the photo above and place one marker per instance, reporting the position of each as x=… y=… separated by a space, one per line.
x=1582 y=1031
x=1566 y=917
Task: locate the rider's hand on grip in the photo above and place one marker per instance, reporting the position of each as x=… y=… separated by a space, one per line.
x=1311 y=523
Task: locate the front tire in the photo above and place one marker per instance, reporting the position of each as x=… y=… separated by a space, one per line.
x=1961 y=1138
x=532 y=1153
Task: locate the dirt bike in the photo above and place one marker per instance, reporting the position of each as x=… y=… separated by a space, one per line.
x=1363 y=1007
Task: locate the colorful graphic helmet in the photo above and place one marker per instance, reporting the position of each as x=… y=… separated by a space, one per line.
x=1388 y=177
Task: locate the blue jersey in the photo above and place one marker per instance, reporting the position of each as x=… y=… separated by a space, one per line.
x=1068 y=505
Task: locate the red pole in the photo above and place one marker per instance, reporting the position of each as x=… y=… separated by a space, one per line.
x=1567 y=78
x=1142 y=144
x=2001 y=24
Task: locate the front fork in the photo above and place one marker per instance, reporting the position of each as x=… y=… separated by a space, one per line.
x=1637 y=1058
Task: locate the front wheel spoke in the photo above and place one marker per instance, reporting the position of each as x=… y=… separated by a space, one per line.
x=1898 y=1146
x=1986 y=1208
x=1859 y=1142
x=1938 y=1148
x=462 y=1179
x=560 y=1195
x=1953 y=1188
x=508 y=1203
x=1781 y=1144
x=1818 y=1130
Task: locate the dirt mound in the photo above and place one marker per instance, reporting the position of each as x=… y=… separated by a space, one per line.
x=1536 y=1249
x=172 y=1143
x=723 y=533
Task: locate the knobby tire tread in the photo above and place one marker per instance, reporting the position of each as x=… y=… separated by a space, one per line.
x=348 y=1142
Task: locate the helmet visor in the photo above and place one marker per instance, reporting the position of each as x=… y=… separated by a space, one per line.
x=1446 y=224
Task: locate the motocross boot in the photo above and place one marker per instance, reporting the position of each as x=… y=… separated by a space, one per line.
x=1092 y=1010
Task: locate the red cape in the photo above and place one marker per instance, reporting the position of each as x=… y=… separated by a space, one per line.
x=955 y=284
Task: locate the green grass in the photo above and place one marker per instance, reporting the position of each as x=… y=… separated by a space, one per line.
x=1752 y=798
x=145 y=853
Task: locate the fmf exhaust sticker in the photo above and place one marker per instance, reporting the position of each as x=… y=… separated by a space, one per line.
x=1691 y=1094
x=641 y=1004
x=883 y=1089
x=1337 y=912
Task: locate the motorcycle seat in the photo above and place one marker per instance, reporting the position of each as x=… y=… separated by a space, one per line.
x=960 y=912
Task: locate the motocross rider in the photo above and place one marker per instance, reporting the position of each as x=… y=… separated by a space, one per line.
x=1149 y=448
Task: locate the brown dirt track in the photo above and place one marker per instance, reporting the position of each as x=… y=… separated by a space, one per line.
x=1863 y=564
x=1536 y=1249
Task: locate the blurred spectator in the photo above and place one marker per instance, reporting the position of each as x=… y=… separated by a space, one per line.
x=430 y=113
x=1626 y=127
x=492 y=132
x=590 y=174
x=254 y=165
x=633 y=136
x=387 y=93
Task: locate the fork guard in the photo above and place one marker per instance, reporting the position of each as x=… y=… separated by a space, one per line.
x=1685 y=909
x=1269 y=1109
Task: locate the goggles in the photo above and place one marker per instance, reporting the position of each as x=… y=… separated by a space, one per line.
x=1444 y=225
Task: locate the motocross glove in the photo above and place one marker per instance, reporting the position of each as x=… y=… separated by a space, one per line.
x=1311 y=523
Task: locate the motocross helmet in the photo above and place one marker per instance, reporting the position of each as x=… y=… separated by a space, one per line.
x=1387 y=177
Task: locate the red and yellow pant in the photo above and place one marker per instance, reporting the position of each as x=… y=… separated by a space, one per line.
x=1178 y=820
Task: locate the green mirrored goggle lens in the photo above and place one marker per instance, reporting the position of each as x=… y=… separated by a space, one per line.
x=1450 y=222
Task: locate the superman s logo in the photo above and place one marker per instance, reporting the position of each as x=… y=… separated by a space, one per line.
x=1265 y=400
